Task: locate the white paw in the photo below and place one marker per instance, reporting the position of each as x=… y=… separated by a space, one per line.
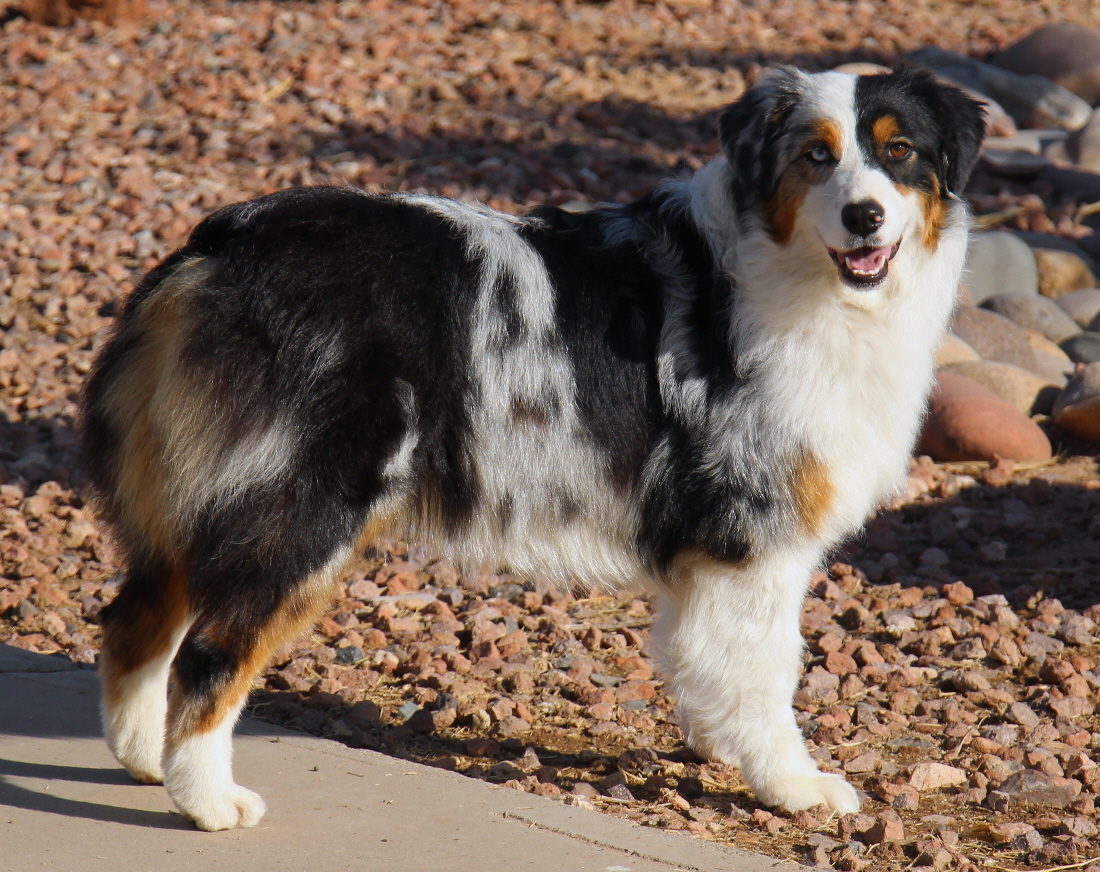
x=140 y=760
x=236 y=807
x=805 y=791
x=144 y=777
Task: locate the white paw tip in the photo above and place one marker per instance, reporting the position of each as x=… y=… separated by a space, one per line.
x=240 y=808
x=802 y=793
x=145 y=777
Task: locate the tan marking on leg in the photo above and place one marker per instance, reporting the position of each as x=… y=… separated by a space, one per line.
x=386 y=520
x=813 y=492
x=142 y=637
x=188 y=716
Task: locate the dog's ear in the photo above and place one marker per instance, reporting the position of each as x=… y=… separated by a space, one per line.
x=750 y=131
x=961 y=125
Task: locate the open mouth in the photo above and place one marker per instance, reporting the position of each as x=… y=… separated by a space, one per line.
x=865 y=266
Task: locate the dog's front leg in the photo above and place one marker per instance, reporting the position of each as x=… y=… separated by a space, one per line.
x=732 y=645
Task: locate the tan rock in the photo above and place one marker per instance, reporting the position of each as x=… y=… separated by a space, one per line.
x=1082 y=306
x=1034 y=312
x=954 y=350
x=1020 y=388
x=1077 y=409
x=1061 y=272
x=993 y=336
x=933 y=776
x=1051 y=362
x=1041 y=343
x=969 y=422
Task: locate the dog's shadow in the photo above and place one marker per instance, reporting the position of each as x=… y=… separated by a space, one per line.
x=16 y=796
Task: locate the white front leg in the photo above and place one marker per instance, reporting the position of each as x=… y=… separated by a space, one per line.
x=731 y=641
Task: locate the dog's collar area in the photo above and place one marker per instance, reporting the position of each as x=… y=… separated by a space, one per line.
x=865 y=266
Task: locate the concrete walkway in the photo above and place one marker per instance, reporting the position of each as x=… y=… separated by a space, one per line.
x=66 y=805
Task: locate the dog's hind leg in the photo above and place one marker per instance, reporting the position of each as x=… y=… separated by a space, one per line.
x=238 y=623
x=731 y=640
x=142 y=629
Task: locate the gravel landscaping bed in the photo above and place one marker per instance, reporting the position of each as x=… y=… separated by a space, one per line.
x=951 y=672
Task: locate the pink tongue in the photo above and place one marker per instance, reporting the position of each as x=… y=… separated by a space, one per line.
x=867 y=260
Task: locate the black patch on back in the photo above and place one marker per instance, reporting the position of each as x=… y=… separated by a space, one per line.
x=607 y=318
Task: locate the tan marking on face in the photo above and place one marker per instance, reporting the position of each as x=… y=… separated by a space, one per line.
x=828 y=134
x=883 y=130
x=780 y=211
x=140 y=635
x=813 y=492
x=935 y=217
x=188 y=715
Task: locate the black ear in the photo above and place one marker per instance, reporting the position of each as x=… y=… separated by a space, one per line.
x=750 y=130
x=961 y=125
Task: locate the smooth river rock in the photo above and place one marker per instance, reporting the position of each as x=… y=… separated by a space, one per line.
x=1023 y=390
x=1083 y=348
x=1067 y=54
x=1061 y=272
x=1082 y=306
x=1034 y=312
x=1077 y=409
x=954 y=350
x=993 y=336
x=999 y=263
x=968 y=422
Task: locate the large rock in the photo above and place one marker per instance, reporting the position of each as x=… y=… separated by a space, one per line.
x=1034 y=313
x=1049 y=240
x=928 y=775
x=1032 y=101
x=1067 y=54
x=1077 y=409
x=999 y=263
x=1031 y=785
x=968 y=422
x=1041 y=345
x=954 y=350
x=1061 y=272
x=993 y=336
x=1082 y=306
x=1050 y=361
x=1082 y=147
x=1023 y=390
x=1083 y=348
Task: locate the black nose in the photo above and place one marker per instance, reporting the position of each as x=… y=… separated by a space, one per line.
x=864 y=218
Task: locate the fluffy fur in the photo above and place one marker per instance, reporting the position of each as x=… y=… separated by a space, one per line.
x=703 y=391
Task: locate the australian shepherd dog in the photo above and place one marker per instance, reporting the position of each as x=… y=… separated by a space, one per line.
x=703 y=391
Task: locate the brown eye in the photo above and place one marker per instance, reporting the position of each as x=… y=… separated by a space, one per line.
x=899 y=150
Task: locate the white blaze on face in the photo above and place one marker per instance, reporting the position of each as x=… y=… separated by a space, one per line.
x=855 y=179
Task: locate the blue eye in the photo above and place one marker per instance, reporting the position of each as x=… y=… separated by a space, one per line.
x=819 y=154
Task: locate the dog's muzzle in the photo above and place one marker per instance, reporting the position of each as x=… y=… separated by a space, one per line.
x=865 y=266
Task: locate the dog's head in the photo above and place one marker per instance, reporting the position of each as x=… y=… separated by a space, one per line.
x=850 y=169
